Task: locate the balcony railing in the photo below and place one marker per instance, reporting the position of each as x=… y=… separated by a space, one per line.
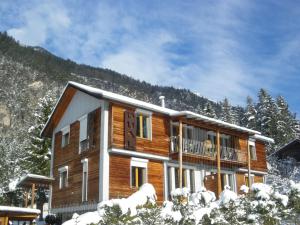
x=206 y=149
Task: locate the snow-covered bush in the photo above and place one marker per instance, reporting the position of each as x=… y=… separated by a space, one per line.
x=261 y=204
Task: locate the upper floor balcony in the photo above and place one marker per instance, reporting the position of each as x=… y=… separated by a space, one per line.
x=208 y=150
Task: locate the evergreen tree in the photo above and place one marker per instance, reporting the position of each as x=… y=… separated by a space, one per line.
x=37 y=160
x=209 y=110
x=250 y=115
x=267 y=112
x=226 y=112
x=286 y=122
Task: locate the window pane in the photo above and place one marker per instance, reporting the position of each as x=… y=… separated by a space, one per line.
x=133 y=178
x=145 y=127
x=176 y=178
x=83 y=129
x=138 y=128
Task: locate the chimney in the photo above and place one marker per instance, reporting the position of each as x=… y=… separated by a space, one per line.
x=162 y=100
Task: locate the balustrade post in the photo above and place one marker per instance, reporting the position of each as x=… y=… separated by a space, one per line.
x=180 y=154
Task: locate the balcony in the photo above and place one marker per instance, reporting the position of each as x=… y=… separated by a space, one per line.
x=207 y=150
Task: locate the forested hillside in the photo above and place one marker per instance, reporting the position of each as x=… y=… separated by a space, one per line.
x=33 y=78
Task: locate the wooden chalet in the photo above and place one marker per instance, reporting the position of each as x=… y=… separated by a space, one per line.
x=105 y=145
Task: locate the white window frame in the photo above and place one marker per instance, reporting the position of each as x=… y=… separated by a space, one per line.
x=64 y=131
x=85 y=168
x=62 y=170
x=83 y=121
x=252 y=143
x=148 y=114
x=140 y=163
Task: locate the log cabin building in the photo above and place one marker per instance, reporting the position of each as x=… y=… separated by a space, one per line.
x=105 y=145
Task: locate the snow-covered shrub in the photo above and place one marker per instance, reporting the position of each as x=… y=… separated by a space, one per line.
x=261 y=205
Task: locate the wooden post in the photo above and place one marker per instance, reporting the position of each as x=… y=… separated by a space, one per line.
x=249 y=165
x=32 y=195
x=180 y=154
x=26 y=198
x=219 y=190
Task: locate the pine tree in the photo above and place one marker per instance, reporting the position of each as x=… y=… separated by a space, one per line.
x=209 y=110
x=38 y=155
x=286 y=122
x=250 y=115
x=226 y=112
x=267 y=112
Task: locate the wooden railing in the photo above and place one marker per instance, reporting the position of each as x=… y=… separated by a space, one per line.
x=202 y=148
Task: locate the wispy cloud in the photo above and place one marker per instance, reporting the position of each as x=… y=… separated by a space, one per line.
x=39 y=22
x=218 y=49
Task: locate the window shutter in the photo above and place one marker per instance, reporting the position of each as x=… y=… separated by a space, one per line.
x=91 y=128
x=130 y=130
x=83 y=129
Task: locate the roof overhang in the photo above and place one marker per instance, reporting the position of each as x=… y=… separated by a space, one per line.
x=192 y=115
x=39 y=180
x=72 y=87
x=14 y=212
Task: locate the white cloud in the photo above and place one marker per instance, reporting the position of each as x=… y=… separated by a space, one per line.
x=39 y=21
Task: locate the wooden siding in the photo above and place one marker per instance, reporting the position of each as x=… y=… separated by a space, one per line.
x=240 y=180
x=261 y=163
x=160 y=142
x=119 y=177
x=69 y=156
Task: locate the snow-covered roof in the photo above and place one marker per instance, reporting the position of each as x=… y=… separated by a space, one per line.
x=263 y=138
x=33 y=178
x=18 y=209
x=221 y=123
x=99 y=93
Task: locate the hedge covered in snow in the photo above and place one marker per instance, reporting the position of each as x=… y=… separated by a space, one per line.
x=262 y=204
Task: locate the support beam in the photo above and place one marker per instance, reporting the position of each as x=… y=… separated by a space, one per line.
x=26 y=198
x=180 y=154
x=249 y=165
x=219 y=181
x=32 y=195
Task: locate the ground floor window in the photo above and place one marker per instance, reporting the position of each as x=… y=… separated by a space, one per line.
x=84 y=179
x=138 y=172
x=63 y=177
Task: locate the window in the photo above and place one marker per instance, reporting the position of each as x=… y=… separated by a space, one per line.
x=192 y=181
x=143 y=124
x=65 y=136
x=252 y=150
x=63 y=177
x=83 y=137
x=247 y=180
x=138 y=171
x=84 y=179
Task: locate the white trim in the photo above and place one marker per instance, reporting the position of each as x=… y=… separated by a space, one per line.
x=252 y=171
x=198 y=180
x=85 y=168
x=263 y=138
x=137 y=162
x=143 y=112
x=166 y=183
x=138 y=154
x=149 y=115
x=51 y=169
x=65 y=130
x=188 y=178
x=172 y=179
x=104 y=155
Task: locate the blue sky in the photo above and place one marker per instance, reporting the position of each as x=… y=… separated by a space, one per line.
x=215 y=48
